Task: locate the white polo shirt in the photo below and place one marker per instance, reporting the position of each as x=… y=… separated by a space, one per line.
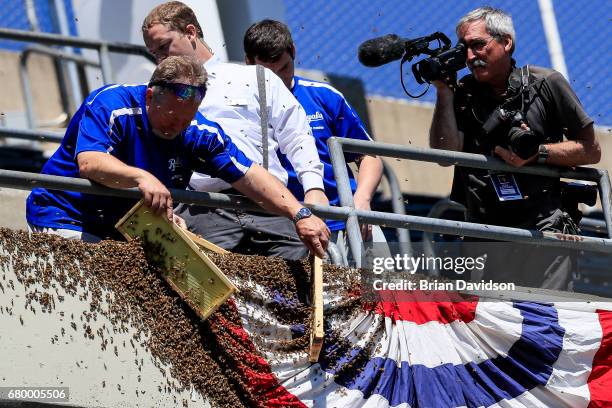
x=232 y=100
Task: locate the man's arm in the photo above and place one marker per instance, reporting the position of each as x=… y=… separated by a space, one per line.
x=444 y=133
x=316 y=196
x=370 y=173
x=267 y=191
x=582 y=146
x=583 y=149
x=106 y=169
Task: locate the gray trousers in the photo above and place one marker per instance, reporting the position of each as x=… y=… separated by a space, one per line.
x=245 y=233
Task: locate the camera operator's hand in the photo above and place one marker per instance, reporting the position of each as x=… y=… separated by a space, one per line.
x=441 y=86
x=511 y=158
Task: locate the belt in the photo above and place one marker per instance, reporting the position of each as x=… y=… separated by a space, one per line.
x=231 y=191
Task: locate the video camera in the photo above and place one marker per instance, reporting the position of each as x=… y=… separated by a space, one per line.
x=443 y=63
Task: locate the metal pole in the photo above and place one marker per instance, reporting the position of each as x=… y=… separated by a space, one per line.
x=334 y=254
x=25 y=79
x=461 y=159
x=26 y=89
x=27 y=134
x=593 y=225
x=56 y=39
x=62 y=21
x=346 y=200
x=439 y=208
x=31 y=13
x=56 y=53
x=606 y=199
x=397 y=204
x=553 y=38
x=107 y=69
x=28 y=181
x=490 y=232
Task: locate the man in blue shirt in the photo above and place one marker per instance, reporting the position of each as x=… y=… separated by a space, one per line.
x=151 y=137
x=269 y=43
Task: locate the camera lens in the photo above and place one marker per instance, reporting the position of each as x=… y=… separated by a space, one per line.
x=523 y=143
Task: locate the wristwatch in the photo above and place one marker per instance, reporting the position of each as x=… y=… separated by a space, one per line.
x=303 y=213
x=542 y=154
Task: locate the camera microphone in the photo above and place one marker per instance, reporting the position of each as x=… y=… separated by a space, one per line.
x=382 y=50
x=441 y=65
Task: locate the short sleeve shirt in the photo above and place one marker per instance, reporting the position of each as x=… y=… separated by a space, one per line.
x=553 y=112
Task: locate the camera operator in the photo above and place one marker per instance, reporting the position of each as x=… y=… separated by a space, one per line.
x=524 y=116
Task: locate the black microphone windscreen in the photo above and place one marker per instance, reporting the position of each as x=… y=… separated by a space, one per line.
x=381 y=50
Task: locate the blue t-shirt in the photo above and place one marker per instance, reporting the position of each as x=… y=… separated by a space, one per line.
x=113 y=120
x=329 y=114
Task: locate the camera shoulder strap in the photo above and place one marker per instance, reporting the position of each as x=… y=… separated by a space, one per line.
x=525 y=88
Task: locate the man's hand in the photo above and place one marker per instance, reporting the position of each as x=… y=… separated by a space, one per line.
x=179 y=221
x=156 y=195
x=366 y=229
x=370 y=173
x=314 y=234
x=441 y=86
x=316 y=196
x=509 y=157
x=512 y=159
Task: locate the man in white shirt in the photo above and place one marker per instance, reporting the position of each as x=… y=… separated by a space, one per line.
x=233 y=101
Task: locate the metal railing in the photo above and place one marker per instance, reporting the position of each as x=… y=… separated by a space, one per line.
x=397 y=204
x=338 y=146
x=593 y=225
x=25 y=80
x=28 y=181
x=436 y=211
x=27 y=134
x=104 y=48
x=397 y=201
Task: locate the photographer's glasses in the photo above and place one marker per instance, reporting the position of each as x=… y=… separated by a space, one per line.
x=479 y=44
x=182 y=91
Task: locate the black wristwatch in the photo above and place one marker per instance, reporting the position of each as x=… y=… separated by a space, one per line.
x=303 y=213
x=542 y=154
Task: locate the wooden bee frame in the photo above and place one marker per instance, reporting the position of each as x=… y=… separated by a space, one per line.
x=316 y=330
x=185 y=265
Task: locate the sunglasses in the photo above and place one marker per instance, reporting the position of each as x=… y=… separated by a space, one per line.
x=182 y=91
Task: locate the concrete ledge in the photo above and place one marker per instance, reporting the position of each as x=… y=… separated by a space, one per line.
x=12 y=210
